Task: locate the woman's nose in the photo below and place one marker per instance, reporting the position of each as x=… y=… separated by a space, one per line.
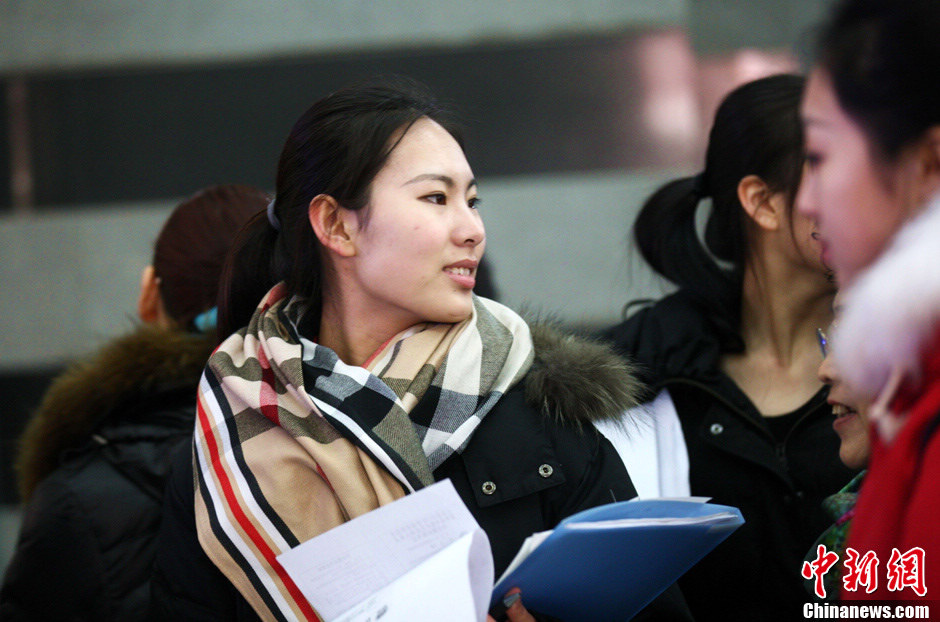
x=827 y=373
x=469 y=230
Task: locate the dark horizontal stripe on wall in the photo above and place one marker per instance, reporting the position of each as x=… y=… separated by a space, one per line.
x=567 y=104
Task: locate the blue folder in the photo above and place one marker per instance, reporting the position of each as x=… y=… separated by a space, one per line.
x=596 y=573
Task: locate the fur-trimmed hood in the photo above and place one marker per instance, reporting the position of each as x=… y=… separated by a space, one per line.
x=572 y=379
x=577 y=380
x=126 y=372
x=892 y=311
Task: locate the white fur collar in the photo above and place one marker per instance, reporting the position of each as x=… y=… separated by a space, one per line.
x=893 y=308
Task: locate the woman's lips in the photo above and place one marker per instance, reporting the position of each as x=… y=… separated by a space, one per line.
x=462 y=276
x=824 y=254
x=843 y=415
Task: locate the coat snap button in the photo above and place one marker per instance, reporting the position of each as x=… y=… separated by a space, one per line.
x=716 y=429
x=546 y=470
x=489 y=488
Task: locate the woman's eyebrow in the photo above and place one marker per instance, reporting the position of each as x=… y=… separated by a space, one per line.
x=446 y=179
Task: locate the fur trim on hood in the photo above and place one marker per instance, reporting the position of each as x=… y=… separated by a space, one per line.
x=572 y=379
x=575 y=380
x=892 y=311
x=125 y=371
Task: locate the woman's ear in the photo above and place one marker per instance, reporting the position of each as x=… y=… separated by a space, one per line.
x=759 y=202
x=334 y=225
x=149 y=302
x=929 y=159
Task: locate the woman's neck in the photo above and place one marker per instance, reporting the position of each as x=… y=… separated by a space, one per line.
x=353 y=333
x=782 y=306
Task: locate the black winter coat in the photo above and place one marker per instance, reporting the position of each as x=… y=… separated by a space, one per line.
x=93 y=467
x=523 y=471
x=734 y=458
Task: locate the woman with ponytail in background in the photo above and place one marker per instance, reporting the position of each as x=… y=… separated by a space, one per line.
x=730 y=359
x=94 y=457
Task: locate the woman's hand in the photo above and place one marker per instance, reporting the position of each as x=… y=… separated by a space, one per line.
x=515 y=611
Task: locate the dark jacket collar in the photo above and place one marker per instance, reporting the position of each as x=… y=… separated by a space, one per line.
x=669 y=339
x=132 y=371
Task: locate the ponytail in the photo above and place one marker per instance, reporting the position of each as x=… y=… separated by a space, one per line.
x=667 y=239
x=665 y=232
x=247 y=275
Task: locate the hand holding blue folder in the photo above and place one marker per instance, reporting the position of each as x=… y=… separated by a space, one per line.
x=609 y=562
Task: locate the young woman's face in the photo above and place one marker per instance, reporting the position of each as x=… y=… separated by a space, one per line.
x=857 y=203
x=851 y=413
x=420 y=238
x=851 y=419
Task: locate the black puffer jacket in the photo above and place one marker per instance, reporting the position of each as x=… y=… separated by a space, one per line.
x=734 y=458
x=92 y=469
x=536 y=451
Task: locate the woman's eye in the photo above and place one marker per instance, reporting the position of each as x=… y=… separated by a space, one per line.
x=438 y=198
x=474 y=203
x=813 y=160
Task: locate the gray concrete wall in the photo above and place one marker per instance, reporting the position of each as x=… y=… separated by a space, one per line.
x=68 y=280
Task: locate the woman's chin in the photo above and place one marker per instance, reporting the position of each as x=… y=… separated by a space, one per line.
x=854 y=456
x=853 y=433
x=453 y=314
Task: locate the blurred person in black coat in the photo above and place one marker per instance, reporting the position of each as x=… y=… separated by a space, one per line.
x=93 y=459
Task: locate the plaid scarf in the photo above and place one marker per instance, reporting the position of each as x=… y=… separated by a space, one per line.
x=290 y=441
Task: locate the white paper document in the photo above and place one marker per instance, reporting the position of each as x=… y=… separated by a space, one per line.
x=421 y=557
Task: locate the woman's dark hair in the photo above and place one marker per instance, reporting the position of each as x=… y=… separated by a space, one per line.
x=883 y=58
x=336 y=148
x=191 y=247
x=756 y=131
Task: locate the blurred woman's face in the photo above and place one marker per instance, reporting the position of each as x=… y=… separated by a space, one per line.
x=858 y=203
x=806 y=240
x=421 y=237
x=801 y=206
x=850 y=412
